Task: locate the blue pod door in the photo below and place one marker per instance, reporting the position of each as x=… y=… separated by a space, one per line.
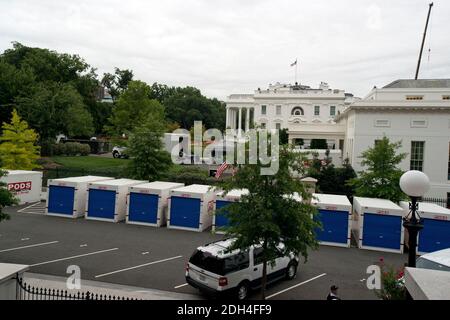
x=335 y=226
x=185 y=212
x=382 y=231
x=434 y=236
x=102 y=204
x=221 y=217
x=143 y=207
x=61 y=199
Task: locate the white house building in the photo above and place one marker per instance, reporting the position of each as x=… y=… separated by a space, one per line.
x=416 y=112
x=307 y=113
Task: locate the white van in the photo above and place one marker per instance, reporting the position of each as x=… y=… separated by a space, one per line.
x=438 y=260
x=213 y=270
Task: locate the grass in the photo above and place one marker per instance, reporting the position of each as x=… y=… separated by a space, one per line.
x=89 y=162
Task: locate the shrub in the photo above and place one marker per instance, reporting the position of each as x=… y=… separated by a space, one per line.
x=392 y=282
x=85 y=149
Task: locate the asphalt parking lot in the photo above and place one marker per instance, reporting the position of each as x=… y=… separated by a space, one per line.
x=155 y=258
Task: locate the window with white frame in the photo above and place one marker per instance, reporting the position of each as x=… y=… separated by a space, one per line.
x=278 y=110
x=417 y=155
x=332 y=111
x=278 y=126
x=316 y=110
x=263 y=125
x=263 y=109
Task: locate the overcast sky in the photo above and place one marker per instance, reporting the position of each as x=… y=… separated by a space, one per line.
x=236 y=46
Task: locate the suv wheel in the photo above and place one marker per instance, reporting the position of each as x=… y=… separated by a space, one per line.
x=242 y=291
x=116 y=155
x=291 y=270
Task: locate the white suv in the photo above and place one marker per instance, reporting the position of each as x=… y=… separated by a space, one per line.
x=212 y=270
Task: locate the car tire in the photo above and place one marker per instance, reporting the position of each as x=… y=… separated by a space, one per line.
x=116 y=155
x=243 y=290
x=291 y=270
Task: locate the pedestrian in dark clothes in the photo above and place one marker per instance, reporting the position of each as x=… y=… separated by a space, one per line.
x=333 y=295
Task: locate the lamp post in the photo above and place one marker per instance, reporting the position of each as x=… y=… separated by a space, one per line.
x=415 y=184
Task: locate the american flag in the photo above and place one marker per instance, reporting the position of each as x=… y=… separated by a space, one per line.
x=221 y=169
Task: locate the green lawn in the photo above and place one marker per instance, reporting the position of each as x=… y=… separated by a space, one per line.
x=89 y=162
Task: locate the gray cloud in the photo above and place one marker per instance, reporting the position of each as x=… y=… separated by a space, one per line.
x=232 y=46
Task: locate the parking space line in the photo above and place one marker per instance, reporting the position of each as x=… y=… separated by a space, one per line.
x=30 y=246
x=73 y=257
x=295 y=286
x=181 y=286
x=135 y=267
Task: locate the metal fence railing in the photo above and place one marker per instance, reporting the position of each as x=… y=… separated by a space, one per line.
x=27 y=292
x=439 y=201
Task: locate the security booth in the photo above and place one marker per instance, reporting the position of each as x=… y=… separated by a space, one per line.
x=335 y=215
x=191 y=208
x=106 y=200
x=25 y=185
x=379 y=224
x=435 y=234
x=147 y=203
x=66 y=197
x=220 y=220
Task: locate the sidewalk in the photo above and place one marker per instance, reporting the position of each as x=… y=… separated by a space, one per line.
x=97 y=287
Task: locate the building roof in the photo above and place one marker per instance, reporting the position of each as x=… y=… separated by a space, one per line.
x=418 y=84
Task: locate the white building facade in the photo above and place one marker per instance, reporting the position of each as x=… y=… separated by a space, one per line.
x=415 y=112
x=307 y=113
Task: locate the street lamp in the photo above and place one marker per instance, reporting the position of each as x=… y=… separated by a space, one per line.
x=415 y=184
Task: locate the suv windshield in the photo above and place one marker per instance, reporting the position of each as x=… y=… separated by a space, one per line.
x=220 y=266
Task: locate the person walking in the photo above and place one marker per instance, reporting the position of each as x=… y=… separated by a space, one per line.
x=333 y=295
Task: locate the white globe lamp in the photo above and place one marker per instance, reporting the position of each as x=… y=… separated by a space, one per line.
x=414 y=183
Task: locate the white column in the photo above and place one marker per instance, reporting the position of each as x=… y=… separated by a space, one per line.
x=247 y=120
x=240 y=122
x=227 y=119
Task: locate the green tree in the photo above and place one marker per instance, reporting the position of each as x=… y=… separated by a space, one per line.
x=284 y=136
x=118 y=82
x=330 y=179
x=134 y=106
x=6 y=197
x=270 y=214
x=148 y=158
x=381 y=177
x=187 y=105
x=18 y=149
x=54 y=108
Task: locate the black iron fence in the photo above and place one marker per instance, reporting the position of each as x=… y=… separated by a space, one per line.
x=27 y=292
x=439 y=201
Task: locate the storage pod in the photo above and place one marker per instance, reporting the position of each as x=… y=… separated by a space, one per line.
x=66 y=197
x=147 y=203
x=191 y=208
x=378 y=224
x=220 y=220
x=25 y=185
x=435 y=234
x=106 y=200
x=335 y=215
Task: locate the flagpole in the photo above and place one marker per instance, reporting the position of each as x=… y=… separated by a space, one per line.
x=296 y=64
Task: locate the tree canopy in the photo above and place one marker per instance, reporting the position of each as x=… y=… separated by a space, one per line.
x=381 y=177
x=271 y=212
x=18 y=149
x=59 y=93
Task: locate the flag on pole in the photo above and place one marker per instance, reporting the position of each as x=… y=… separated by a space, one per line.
x=294 y=63
x=221 y=169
